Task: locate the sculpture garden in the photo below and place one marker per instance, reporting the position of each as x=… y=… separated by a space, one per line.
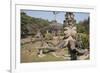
x=43 y=40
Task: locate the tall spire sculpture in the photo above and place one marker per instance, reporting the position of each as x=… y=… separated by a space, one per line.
x=70 y=32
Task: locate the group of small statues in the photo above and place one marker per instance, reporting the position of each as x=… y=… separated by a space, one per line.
x=69 y=40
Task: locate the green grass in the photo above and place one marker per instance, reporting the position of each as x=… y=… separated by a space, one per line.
x=31 y=56
x=46 y=58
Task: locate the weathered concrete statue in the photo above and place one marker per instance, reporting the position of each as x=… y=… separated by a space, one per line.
x=69 y=41
x=70 y=32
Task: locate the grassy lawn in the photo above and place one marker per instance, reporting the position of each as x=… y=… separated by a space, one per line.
x=30 y=55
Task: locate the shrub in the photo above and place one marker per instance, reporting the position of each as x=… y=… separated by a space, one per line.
x=85 y=40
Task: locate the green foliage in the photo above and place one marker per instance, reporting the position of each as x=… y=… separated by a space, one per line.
x=29 y=25
x=83 y=26
x=85 y=40
x=83 y=31
x=24 y=22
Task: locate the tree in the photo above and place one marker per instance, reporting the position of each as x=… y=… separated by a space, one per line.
x=83 y=31
x=83 y=26
x=30 y=25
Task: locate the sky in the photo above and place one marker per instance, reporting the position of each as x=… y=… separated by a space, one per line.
x=60 y=16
